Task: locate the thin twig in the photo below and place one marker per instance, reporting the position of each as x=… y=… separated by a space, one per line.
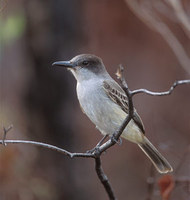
x=49 y=146
x=5 y=131
x=175 y=84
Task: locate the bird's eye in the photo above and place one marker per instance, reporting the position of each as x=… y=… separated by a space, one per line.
x=85 y=62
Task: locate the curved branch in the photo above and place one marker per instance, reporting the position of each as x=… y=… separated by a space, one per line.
x=175 y=84
x=48 y=146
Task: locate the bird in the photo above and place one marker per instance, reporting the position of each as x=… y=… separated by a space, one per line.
x=104 y=101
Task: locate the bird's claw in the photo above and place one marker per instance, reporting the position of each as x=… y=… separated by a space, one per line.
x=118 y=141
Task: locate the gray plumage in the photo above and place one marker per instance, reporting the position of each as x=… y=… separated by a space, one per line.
x=105 y=103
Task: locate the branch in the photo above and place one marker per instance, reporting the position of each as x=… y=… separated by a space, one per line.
x=104 y=179
x=116 y=135
x=96 y=154
x=175 y=84
x=100 y=148
x=5 y=131
x=48 y=146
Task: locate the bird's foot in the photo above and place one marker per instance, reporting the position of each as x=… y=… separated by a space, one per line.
x=92 y=150
x=96 y=148
x=118 y=141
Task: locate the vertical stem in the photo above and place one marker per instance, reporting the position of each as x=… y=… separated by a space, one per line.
x=104 y=179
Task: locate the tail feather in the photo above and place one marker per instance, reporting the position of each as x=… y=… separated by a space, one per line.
x=161 y=164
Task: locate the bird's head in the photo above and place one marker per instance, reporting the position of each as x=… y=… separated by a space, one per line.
x=84 y=66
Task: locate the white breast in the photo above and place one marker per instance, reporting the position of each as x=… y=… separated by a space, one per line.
x=103 y=112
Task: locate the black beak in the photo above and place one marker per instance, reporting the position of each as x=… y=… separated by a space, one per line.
x=66 y=64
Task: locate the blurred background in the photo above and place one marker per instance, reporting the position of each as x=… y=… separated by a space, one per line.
x=151 y=39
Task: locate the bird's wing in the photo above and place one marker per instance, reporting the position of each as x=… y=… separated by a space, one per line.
x=118 y=96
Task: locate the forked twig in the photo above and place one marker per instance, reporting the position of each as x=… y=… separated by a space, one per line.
x=5 y=131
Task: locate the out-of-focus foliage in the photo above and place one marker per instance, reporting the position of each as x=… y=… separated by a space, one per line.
x=12 y=27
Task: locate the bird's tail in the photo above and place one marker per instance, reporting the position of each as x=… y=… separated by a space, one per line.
x=161 y=164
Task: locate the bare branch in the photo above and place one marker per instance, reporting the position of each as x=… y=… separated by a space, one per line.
x=5 y=131
x=175 y=84
x=118 y=132
x=104 y=179
x=48 y=146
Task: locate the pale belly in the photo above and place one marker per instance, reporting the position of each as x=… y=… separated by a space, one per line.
x=108 y=116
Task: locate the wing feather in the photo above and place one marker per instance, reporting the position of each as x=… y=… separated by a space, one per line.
x=117 y=95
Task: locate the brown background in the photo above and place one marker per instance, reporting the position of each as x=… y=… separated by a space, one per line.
x=41 y=103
